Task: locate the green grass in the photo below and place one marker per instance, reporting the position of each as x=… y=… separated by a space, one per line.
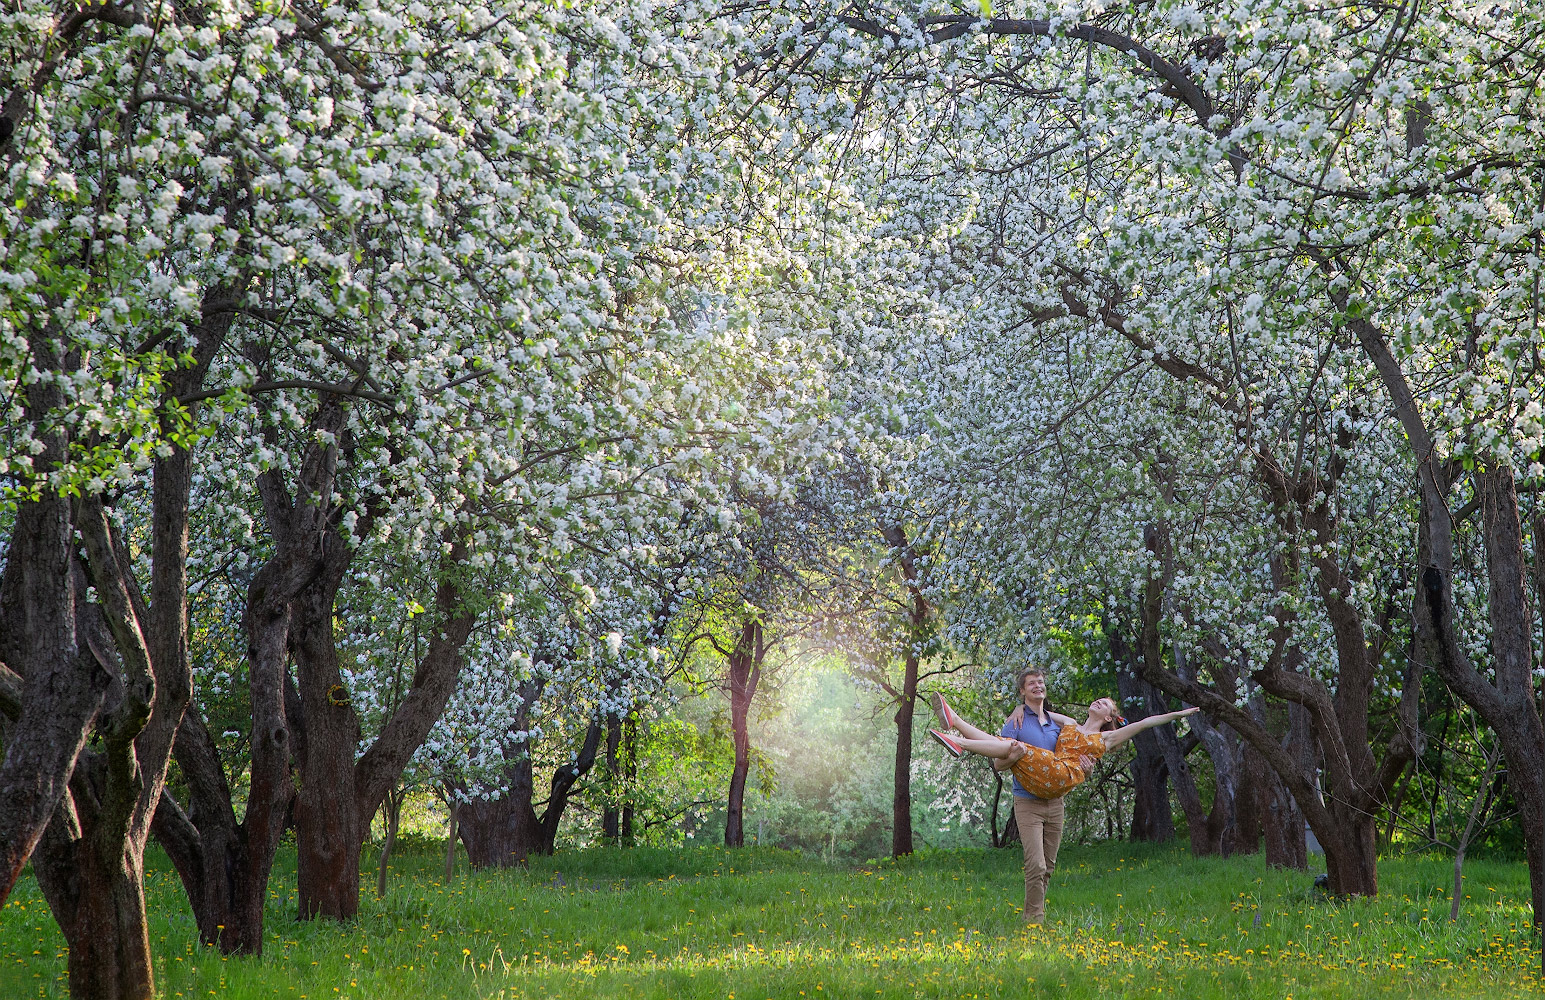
x=1125 y=920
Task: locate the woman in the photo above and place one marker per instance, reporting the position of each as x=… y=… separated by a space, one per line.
x=1049 y=774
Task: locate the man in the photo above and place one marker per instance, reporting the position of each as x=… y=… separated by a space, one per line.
x=1039 y=820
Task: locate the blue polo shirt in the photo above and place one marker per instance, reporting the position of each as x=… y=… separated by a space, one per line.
x=1032 y=732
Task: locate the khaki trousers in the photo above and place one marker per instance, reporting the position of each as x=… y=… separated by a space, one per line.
x=1040 y=831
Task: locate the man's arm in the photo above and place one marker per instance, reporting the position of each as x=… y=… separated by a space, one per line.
x=1009 y=731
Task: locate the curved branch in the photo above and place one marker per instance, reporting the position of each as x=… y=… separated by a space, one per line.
x=943 y=28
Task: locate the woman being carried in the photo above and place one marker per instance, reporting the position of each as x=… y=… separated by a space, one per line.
x=1049 y=774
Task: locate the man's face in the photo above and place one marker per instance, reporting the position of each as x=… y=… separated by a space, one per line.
x=1034 y=687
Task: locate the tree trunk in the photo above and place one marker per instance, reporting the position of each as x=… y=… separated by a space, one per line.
x=340 y=788
x=505 y=831
x=56 y=689
x=224 y=865
x=1010 y=830
x=1506 y=702
x=744 y=672
x=499 y=833
x=1353 y=865
x=1512 y=628
x=392 y=812
x=90 y=860
x=453 y=830
x=308 y=722
x=901 y=798
x=329 y=831
x=995 y=833
x=906 y=696
x=1247 y=811
x=1153 y=658
x=611 y=816
x=49 y=685
x=630 y=757
x=1282 y=820
x=1186 y=793
x=1225 y=749
x=1152 y=818
x=97 y=895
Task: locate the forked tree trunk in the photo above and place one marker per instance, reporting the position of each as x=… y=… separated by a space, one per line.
x=94 y=883
x=499 y=833
x=90 y=861
x=1226 y=751
x=224 y=865
x=50 y=687
x=341 y=789
x=1299 y=497
x=1357 y=783
x=1187 y=794
x=1507 y=700
x=310 y=725
x=505 y=831
x=97 y=895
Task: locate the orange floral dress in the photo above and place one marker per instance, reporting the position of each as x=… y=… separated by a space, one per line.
x=1051 y=774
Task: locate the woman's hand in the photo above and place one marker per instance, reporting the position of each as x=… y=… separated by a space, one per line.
x=1017 y=717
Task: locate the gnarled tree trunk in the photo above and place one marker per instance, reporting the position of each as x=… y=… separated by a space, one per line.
x=90 y=860
x=55 y=690
x=339 y=794
x=505 y=831
x=304 y=726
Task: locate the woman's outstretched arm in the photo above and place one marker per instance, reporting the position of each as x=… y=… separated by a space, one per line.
x=1116 y=737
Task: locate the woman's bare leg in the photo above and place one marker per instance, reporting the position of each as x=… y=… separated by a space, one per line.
x=990 y=746
x=950 y=720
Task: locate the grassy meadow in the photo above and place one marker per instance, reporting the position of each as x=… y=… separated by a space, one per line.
x=1124 y=920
